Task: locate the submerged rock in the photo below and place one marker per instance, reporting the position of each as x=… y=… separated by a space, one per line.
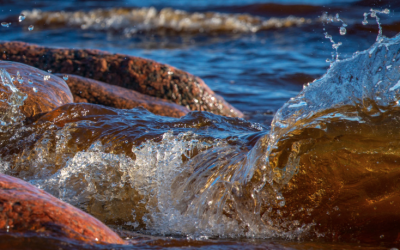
x=27 y=209
x=34 y=91
x=92 y=91
x=142 y=75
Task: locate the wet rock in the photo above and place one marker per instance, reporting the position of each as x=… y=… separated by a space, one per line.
x=26 y=209
x=142 y=75
x=42 y=91
x=92 y=91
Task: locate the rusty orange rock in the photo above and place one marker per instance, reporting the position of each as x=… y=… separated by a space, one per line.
x=44 y=91
x=92 y=91
x=142 y=75
x=27 y=209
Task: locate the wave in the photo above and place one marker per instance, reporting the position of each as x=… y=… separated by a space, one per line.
x=130 y=21
x=327 y=169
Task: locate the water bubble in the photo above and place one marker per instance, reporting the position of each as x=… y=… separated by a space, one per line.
x=34 y=89
x=342 y=31
x=328 y=60
x=365 y=22
x=49 y=70
x=65 y=77
x=30 y=81
x=386 y=11
x=382 y=236
x=30 y=28
x=21 y=18
x=282 y=203
x=5 y=24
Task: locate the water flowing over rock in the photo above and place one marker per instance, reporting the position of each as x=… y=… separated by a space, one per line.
x=26 y=209
x=92 y=91
x=32 y=91
x=142 y=75
x=328 y=170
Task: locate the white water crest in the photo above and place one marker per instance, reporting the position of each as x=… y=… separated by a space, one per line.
x=149 y=19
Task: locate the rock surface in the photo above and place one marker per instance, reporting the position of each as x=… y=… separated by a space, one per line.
x=92 y=91
x=142 y=75
x=43 y=92
x=26 y=209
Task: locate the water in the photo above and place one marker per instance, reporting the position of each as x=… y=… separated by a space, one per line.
x=282 y=175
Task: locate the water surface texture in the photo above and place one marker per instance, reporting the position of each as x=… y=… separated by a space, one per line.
x=316 y=158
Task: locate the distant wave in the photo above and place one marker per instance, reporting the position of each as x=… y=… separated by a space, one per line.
x=135 y=20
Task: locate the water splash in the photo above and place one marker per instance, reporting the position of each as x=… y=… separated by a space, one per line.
x=373 y=13
x=342 y=31
x=21 y=18
x=10 y=113
x=5 y=24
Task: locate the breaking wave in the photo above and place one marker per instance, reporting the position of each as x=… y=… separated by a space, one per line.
x=130 y=21
x=328 y=168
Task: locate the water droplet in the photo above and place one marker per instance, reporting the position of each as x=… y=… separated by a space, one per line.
x=373 y=14
x=382 y=236
x=5 y=24
x=30 y=81
x=30 y=28
x=386 y=11
x=282 y=203
x=342 y=31
x=328 y=60
x=49 y=70
x=34 y=89
x=65 y=77
x=365 y=22
x=46 y=77
x=21 y=18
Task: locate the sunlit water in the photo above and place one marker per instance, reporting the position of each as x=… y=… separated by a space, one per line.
x=325 y=169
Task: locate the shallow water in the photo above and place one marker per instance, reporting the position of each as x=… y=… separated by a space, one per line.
x=324 y=170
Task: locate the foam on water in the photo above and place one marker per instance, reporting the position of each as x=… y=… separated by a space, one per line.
x=131 y=21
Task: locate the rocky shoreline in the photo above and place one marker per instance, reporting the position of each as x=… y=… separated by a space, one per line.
x=91 y=76
x=142 y=75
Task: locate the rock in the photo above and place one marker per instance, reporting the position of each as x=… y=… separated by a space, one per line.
x=92 y=91
x=43 y=92
x=27 y=209
x=142 y=75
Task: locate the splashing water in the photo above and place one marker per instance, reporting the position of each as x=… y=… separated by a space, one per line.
x=373 y=13
x=5 y=24
x=10 y=114
x=342 y=31
x=21 y=18
x=161 y=175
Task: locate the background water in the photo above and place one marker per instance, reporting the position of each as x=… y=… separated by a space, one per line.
x=255 y=71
